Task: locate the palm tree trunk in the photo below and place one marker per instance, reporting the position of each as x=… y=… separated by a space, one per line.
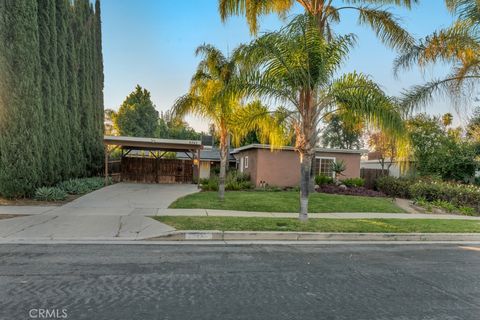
x=312 y=175
x=305 y=169
x=223 y=169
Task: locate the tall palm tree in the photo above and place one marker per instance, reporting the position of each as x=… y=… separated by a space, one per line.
x=327 y=13
x=210 y=98
x=458 y=45
x=295 y=67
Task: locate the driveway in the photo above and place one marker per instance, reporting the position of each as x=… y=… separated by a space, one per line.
x=117 y=212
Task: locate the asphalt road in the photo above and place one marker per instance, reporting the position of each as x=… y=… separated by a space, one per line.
x=240 y=282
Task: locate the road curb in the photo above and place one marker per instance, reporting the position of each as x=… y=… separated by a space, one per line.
x=215 y=235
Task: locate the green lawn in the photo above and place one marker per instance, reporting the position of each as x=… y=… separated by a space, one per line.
x=285 y=201
x=322 y=225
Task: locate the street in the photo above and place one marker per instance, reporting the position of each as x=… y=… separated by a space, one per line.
x=335 y=281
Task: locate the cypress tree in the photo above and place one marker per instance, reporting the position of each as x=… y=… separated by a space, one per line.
x=65 y=138
x=73 y=102
x=51 y=93
x=50 y=89
x=20 y=104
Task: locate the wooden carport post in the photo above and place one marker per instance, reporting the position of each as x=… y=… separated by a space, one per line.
x=106 y=164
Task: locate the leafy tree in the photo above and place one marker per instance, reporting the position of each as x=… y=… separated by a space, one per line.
x=175 y=128
x=437 y=152
x=137 y=116
x=295 y=67
x=457 y=45
x=342 y=134
x=386 y=148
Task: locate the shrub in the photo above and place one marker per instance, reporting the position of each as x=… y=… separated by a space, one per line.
x=394 y=187
x=82 y=185
x=322 y=180
x=354 y=182
x=50 y=194
x=353 y=191
x=457 y=194
x=233 y=182
x=74 y=186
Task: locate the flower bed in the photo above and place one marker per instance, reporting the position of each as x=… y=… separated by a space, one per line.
x=351 y=191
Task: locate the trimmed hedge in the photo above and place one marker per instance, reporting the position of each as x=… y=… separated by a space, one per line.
x=394 y=187
x=430 y=190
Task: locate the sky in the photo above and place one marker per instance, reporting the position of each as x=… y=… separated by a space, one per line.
x=152 y=43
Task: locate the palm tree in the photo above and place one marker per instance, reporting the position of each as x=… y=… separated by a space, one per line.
x=295 y=67
x=458 y=45
x=210 y=98
x=326 y=14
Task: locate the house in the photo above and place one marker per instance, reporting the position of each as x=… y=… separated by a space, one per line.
x=209 y=160
x=281 y=167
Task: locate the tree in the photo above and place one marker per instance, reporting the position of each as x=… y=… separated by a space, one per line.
x=342 y=134
x=209 y=99
x=295 y=67
x=457 y=45
x=326 y=14
x=170 y=127
x=21 y=128
x=386 y=148
x=437 y=152
x=137 y=116
x=51 y=97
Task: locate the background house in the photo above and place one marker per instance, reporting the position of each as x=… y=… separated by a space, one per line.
x=281 y=167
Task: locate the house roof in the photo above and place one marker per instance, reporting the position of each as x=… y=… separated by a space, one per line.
x=140 y=143
x=206 y=155
x=289 y=148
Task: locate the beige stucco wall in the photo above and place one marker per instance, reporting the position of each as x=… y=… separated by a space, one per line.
x=204 y=169
x=282 y=168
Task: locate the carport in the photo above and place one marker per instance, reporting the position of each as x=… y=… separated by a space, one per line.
x=143 y=159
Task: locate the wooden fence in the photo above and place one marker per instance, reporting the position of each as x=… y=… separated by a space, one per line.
x=151 y=170
x=370 y=175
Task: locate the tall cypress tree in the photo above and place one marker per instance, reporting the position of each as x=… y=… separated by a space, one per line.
x=51 y=93
x=20 y=105
x=64 y=138
x=73 y=94
x=50 y=90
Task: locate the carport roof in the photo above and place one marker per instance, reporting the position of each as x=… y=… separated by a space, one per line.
x=137 y=143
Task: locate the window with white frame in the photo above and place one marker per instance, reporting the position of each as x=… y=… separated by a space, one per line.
x=246 y=162
x=324 y=166
x=241 y=164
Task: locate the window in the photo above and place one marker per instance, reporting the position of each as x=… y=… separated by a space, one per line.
x=323 y=166
x=241 y=164
x=246 y=162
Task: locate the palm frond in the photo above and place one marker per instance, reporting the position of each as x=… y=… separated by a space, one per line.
x=253 y=9
x=386 y=26
x=358 y=97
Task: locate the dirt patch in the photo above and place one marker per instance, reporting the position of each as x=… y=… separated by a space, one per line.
x=33 y=202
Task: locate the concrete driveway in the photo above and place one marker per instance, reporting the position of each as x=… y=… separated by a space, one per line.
x=117 y=212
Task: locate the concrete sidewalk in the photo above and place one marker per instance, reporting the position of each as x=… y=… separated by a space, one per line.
x=335 y=215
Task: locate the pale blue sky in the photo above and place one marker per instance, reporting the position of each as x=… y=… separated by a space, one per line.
x=152 y=43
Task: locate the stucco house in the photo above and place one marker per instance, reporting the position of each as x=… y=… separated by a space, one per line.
x=281 y=167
